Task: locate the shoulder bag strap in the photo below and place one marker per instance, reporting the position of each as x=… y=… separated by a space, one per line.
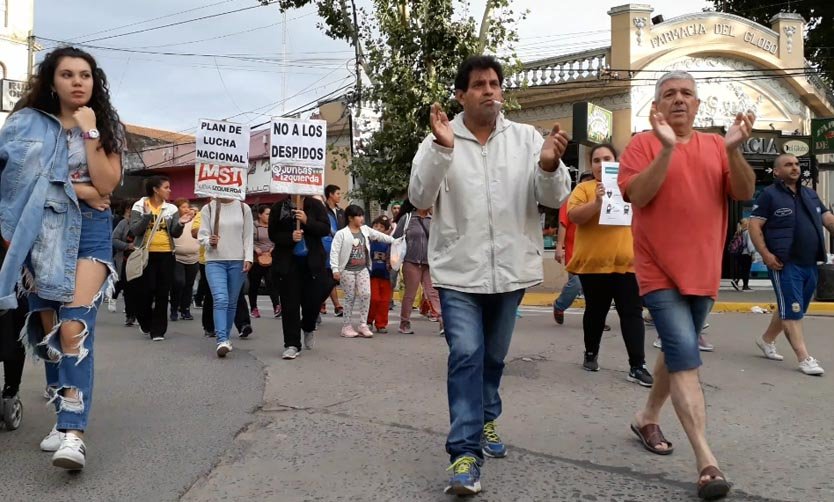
x=149 y=237
x=405 y=229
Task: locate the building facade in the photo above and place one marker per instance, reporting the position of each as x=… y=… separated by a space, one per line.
x=17 y=18
x=738 y=65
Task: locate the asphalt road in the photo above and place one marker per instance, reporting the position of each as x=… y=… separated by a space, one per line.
x=163 y=413
x=366 y=420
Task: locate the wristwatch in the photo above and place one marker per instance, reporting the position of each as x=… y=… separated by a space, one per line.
x=91 y=134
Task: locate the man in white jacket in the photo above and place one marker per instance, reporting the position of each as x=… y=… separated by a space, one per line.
x=485 y=176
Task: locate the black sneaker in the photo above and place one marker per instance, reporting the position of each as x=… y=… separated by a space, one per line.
x=590 y=363
x=209 y=334
x=246 y=331
x=174 y=317
x=640 y=376
x=186 y=315
x=130 y=321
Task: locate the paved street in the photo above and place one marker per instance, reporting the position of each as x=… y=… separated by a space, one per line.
x=366 y=420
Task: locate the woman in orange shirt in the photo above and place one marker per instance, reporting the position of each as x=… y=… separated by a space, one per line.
x=603 y=258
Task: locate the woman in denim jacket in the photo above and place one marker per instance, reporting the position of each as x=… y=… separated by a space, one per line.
x=60 y=160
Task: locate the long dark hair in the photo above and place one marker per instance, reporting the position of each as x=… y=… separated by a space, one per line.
x=41 y=96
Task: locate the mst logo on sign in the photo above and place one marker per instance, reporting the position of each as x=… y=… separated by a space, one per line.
x=220 y=175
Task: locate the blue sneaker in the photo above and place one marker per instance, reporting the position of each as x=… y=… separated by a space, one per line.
x=467 y=477
x=492 y=445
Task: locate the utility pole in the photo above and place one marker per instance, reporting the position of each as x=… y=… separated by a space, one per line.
x=284 y=60
x=30 y=43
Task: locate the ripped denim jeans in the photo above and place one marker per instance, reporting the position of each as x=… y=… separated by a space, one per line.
x=73 y=371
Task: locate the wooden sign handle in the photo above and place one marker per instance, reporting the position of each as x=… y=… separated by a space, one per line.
x=298 y=206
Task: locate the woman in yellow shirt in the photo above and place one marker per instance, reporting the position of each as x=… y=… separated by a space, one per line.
x=603 y=258
x=154 y=286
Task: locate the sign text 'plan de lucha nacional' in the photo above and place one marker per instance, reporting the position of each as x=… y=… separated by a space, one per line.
x=222 y=159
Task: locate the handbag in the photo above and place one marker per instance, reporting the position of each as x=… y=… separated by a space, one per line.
x=265 y=260
x=400 y=247
x=736 y=245
x=138 y=260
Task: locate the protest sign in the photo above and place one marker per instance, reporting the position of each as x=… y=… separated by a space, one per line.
x=222 y=161
x=260 y=175
x=615 y=210
x=297 y=156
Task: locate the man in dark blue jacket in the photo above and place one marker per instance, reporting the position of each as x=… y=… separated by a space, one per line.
x=786 y=228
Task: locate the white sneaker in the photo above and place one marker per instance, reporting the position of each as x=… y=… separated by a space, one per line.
x=223 y=348
x=811 y=366
x=72 y=454
x=308 y=340
x=657 y=344
x=111 y=305
x=53 y=440
x=290 y=353
x=769 y=350
x=158 y=338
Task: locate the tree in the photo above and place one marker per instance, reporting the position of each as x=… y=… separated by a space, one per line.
x=409 y=51
x=819 y=38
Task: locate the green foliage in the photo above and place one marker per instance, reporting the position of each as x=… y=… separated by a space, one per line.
x=410 y=51
x=819 y=39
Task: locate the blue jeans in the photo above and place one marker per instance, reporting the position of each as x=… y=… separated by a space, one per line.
x=570 y=291
x=479 y=328
x=225 y=280
x=75 y=371
x=678 y=320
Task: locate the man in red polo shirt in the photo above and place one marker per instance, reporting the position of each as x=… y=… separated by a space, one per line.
x=678 y=181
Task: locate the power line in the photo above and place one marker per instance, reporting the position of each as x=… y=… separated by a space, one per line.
x=272 y=25
x=263 y=3
x=309 y=88
x=184 y=155
x=266 y=60
x=151 y=20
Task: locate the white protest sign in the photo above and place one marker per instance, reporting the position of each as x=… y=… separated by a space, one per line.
x=222 y=160
x=615 y=210
x=260 y=174
x=297 y=156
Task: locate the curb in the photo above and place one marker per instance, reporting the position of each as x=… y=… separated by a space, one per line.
x=546 y=300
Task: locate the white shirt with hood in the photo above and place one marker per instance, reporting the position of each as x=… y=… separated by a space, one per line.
x=486 y=233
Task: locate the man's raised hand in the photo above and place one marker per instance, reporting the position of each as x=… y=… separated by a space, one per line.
x=662 y=129
x=739 y=131
x=440 y=127
x=554 y=147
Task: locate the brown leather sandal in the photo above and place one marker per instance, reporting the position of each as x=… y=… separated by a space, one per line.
x=714 y=488
x=651 y=436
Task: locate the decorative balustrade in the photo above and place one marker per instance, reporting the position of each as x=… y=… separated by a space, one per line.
x=576 y=67
x=818 y=82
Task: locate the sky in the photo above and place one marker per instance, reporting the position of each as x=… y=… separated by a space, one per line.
x=173 y=92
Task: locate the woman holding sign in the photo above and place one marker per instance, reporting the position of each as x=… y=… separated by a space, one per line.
x=298 y=268
x=603 y=258
x=227 y=236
